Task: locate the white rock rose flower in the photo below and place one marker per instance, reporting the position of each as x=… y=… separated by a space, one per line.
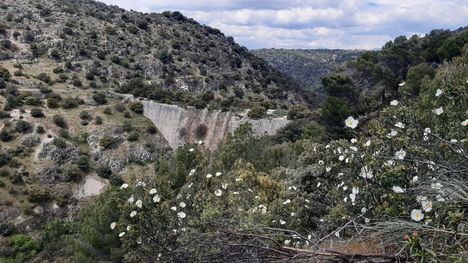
x=351 y=122
x=426 y=205
x=113 y=225
x=438 y=92
x=133 y=213
x=156 y=199
x=398 y=189
x=218 y=192
x=181 y=215
x=400 y=155
x=438 y=111
x=417 y=215
x=394 y=103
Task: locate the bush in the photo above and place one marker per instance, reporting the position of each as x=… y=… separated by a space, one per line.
x=127 y=114
x=257 y=112
x=40 y=130
x=299 y=111
x=70 y=103
x=84 y=115
x=5 y=159
x=5 y=135
x=23 y=127
x=37 y=113
x=107 y=142
x=52 y=103
x=132 y=137
x=100 y=98
x=98 y=120
x=60 y=121
x=107 y=111
x=44 y=77
x=136 y=107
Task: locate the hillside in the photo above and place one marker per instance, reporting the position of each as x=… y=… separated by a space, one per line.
x=307 y=66
x=218 y=157
x=166 y=57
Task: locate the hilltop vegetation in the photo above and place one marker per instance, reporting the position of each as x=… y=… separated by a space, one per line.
x=307 y=66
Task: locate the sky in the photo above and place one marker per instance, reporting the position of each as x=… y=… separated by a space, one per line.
x=311 y=24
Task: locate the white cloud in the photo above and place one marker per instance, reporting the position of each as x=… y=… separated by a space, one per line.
x=363 y=24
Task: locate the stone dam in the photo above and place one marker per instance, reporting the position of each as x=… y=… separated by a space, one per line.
x=180 y=126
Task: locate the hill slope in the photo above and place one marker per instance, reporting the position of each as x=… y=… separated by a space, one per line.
x=166 y=57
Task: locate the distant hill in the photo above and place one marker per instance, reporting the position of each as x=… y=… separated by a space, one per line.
x=307 y=65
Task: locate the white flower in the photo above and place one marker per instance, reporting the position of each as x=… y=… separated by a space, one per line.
x=421 y=198
x=368 y=143
x=182 y=204
x=218 y=192
x=209 y=176
x=438 y=111
x=355 y=190
x=398 y=189
x=287 y=242
x=131 y=199
x=282 y=222
x=426 y=205
x=113 y=225
x=436 y=186
x=394 y=102
x=129 y=228
x=417 y=215
x=320 y=162
x=133 y=213
x=464 y=123
x=153 y=191
x=328 y=169
x=139 y=203
x=224 y=186
x=124 y=186
x=402 y=84
x=181 y=215
x=354 y=148
x=122 y=234
x=353 y=140
x=191 y=150
x=156 y=199
x=400 y=155
x=337 y=234
x=438 y=92
x=341 y=158
x=174 y=208
x=141 y=184
x=415 y=179
x=351 y=122
x=366 y=173
x=192 y=172
x=352 y=196
x=218 y=173
x=392 y=133
x=200 y=142
x=400 y=125
x=287 y=202
x=389 y=163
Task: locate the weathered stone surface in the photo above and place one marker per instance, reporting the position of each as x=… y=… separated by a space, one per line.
x=178 y=125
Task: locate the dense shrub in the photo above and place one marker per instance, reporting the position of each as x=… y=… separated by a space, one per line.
x=60 y=121
x=23 y=126
x=37 y=113
x=136 y=107
x=257 y=112
x=100 y=98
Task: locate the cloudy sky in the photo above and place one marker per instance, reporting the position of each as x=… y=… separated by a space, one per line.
x=350 y=24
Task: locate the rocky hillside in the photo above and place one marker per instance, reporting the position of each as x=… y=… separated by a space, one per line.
x=307 y=66
x=166 y=57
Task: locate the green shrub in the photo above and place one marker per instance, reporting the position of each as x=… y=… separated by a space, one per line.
x=37 y=113
x=299 y=111
x=23 y=127
x=136 y=107
x=98 y=120
x=132 y=137
x=100 y=98
x=60 y=121
x=70 y=103
x=257 y=112
x=107 y=142
x=84 y=115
